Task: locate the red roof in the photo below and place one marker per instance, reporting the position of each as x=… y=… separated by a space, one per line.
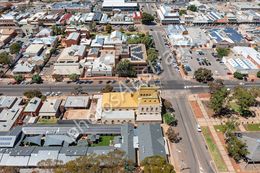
x=137 y=15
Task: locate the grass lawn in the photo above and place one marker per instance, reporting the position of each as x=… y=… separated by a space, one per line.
x=252 y=127
x=234 y=106
x=220 y=128
x=47 y=121
x=220 y=164
x=104 y=141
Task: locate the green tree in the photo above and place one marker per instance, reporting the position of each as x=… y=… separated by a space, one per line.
x=5 y=58
x=218 y=99
x=244 y=99
x=170 y=119
x=182 y=12
x=74 y=77
x=92 y=26
x=125 y=69
x=37 y=79
x=108 y=28
x=147 y=18
x=147 y=41
x=152 y=55
x=32 y=93
x=238 y=75
x=19 y=78
x=131 y=29
x=215 y=85
x=15 y=48
x=221 y=52
x=192 y=8
x=105 y=163
x=122 y=29
x=258 y=74
x=203 y=75
x=167 y=105
x=107 y=89
x=58 y=77
x=155 y=164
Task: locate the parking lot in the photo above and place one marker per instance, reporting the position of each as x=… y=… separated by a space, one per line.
x=204 y=59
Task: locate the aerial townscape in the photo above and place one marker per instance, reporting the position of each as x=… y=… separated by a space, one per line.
x=129 y=86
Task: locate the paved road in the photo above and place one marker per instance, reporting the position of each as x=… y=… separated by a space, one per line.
x=193 y=154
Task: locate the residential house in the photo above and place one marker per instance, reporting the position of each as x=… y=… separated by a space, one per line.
x=6 y=35
x=34 y=50
x=50 y=109
x=23 y=67
x=77 y=102
x=72 y=39
x=33 y=107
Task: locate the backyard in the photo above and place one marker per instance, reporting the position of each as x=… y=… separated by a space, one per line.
x=104 y=141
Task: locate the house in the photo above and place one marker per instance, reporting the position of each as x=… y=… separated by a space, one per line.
x=151 y=141
x=71 y=7
x=145 y=102
x=50 y=109
x=84 y=32
x=33 y=107
x=50 y=41
x=77 y=102
x=34 y=50
x=49 y=19
x=45 y=32
x=72 y=39
x=6 y=35
x=64 y=20
x=8 y=20
x=23 y=67
x=72 y=54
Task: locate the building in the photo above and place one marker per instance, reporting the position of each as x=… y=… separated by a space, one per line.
x=151 y=141
x=10 y=112
x=34 y=50
x=23 y=67
x=6 y=35
x=77 y=102
x=121 y=19
x=50 y=109
x=110 y=5
x=8 y=20
x=72 y=54
x=50 y=41
x=84 y=32
x=167 y=15
x=71 y=7
x=72 y=39
x=137 y=17
x=138 y=58
x=45 y=32
x=145 y=102
x=33 y=107
x=245 y=60
x=49 y=19
x=226 y=37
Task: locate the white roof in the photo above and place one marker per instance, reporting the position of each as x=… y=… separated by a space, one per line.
x=34 y=49
x=118 y=3
x=247 y=52
x=33 y=105
x=123 y=115
x=50 y=106
x=76 y=101
x=67 y=68
x=23 y=67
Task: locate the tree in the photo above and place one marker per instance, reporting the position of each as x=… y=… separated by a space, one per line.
x=15 y=48
x=32 y=93
x=147 y=18
x=167 y=105
x=215 y=85
x=244 y=99
x=170 y=119
x=108 y=28
x=172 y=135
x=131 y=29
x=19 y=78
x=114 y=161
x=122 y=29
x=57 y=30
x=258 y=74
x=37 y=79
x=93 y=26
x=218 y=99
x=125 y=69
x=155 y=164
x=192 y=8
x=58 y=77
x=203 y=75
x=74 y=77
x=4 y=58
x=107 y=89
x=182 y=12
x=152 y=55
x=221 y=52
x=238 y=75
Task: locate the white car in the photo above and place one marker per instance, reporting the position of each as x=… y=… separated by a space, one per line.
x=198 y=128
